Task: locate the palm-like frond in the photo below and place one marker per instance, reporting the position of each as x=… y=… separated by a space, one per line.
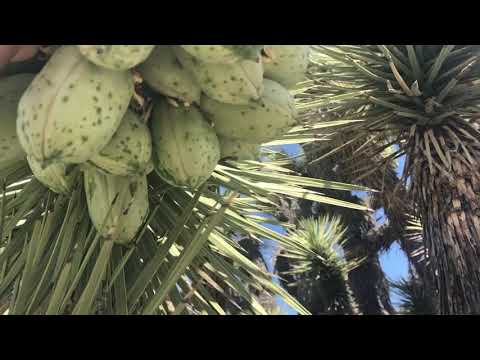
x=414 y=238
x=424 y=99
x=414 y=300
x=319 y=272
x=399 y=114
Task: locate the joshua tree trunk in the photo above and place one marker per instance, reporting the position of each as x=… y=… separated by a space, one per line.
x=368 y=281
x=450 y=211
x=371 y=288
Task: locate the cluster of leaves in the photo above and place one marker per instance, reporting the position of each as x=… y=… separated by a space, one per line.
x=317 y=271
x=183 y=261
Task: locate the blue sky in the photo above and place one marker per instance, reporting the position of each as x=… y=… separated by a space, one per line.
x=394 y=262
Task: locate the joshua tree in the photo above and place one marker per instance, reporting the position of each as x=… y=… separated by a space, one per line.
x=318 y=275
x=423 y=99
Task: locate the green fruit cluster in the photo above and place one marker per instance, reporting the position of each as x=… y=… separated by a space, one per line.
x=209 y=102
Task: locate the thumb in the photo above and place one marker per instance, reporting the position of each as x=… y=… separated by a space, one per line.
x=14 y=53
x=25 y=52
x=7 y=52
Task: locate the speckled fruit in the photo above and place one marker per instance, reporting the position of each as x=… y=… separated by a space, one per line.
x=57 y=177
x=260 y=121
x=236 y=83
x=238 y=150
x=223 y=54
x=72 y=108
x=11 y=90
x=165 y=74
x=129 y=151
x=289 y=64
x=185 y=146
x=116 y=57
x=121 y=221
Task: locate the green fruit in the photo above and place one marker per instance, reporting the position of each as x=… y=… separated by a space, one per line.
x=223 y=54
x=289 y=64
x=238 y=150
x=11 y=90
x=185 y=146
x=116 y=57
x=57 y=177
x=165 y=74
x=129 y=151
x=72 y=108
x=236 y=83
x=121 y=221
x=261 y=121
